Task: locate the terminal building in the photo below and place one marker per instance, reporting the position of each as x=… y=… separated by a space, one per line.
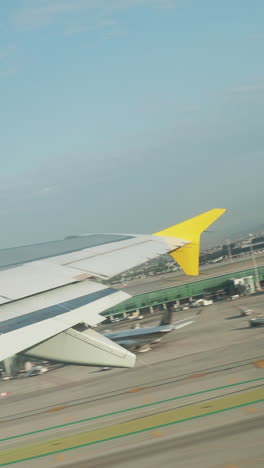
x=219 y=287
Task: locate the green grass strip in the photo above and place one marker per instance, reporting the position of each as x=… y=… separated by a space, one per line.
x=133 y=408
x=134 y=432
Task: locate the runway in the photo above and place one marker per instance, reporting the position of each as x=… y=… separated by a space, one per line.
x=197 y=398
x=201 y=450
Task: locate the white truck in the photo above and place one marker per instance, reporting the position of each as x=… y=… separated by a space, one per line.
x=202 y=302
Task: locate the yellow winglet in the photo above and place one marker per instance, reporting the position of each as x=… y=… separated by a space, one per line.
x=190 y=230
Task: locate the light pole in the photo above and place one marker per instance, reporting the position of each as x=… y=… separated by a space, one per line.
x=229 y=251
x=254 y=262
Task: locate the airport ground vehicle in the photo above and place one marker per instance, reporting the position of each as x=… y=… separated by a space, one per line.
x=256 y=321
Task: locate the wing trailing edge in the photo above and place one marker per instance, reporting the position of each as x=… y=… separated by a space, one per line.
x=88 y=348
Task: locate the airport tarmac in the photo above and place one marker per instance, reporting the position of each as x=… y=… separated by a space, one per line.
x=167 y=280
x=195 y=400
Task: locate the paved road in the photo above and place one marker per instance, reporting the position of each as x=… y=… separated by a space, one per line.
x=201 y=379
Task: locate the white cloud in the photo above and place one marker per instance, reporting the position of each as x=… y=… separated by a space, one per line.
x=76 y=30
x=105 y=23
x=248 y=88
x=45 y=191
x=193 y=108
x=108 y=22
x=34 y=14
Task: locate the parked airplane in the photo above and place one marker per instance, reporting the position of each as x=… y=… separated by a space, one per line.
x=138 y=339
x=48 y=291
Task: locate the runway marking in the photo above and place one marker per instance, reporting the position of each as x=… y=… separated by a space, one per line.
x=124 y=429
x=133 y=408
x=55 y=408
x=251 y=410
x=231 y=466
x=59 y=457
x=156 y=433
x=195 y=376
x=260 y=364
x=232 y=380
x=147 y=400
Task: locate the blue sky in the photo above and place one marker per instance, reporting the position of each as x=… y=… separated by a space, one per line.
x=129 y=115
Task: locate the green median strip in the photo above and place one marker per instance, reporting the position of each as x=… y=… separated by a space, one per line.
x=133 y=408
x=130 y=428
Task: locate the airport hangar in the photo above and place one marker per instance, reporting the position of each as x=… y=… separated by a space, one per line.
x=163 y=298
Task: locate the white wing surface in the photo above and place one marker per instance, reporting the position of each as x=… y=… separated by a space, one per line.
x=48 y=289
x=31 y=321
x=42 y=270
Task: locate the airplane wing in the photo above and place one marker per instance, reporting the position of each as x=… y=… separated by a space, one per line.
x=141 y=336
x=49 y=291
x=182 y=323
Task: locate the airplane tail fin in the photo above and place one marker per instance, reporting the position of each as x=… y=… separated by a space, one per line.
x=166 y=318
x=190 y=230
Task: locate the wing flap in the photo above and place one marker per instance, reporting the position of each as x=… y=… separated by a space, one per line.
x=89 y=348
x=24 y=324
